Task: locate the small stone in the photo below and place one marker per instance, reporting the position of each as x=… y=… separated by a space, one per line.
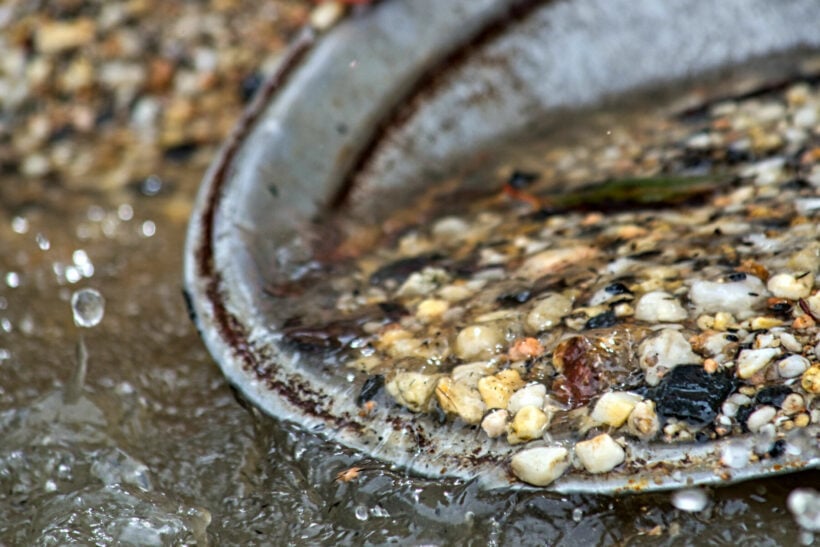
x=56 y=36
x=663 y=352
x=738 y=298
x=735 y=455
x=811 y=379
x=462 y=400
x=530 y=395
x=792 y=366
x=691 y=500
x=528 y=424
x=659 y=307
x=804 y=504
x=548 y=312
x=643 y=421
x=541 y=465
x=614 y=408
x=413 y=389
x=431 y=309
x=760 y=417
x=553 y=260
x=790 y=343
x=790 y=286
x=478 y=341
x=326 y=14
x=600 y=454
x=471 y=373
x=496 y=390
x=494 y=423
x=793 y=404
x=751 y=361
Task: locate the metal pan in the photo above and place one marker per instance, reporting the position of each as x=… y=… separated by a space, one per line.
x=355 y=117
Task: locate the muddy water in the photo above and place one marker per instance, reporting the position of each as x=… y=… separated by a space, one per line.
x=158 y=450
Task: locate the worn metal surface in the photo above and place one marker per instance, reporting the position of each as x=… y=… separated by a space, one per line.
x=360 y=113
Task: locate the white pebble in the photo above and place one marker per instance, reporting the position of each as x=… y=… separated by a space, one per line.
x=548 y=312
x=659 y=307
x=692 y=500
x=326 y=14
x=735 y=455
x=494 y=424
x=750 y=361
x=530 y=395
x=478 y=341
x=665 y=350
x=788 y=341
x=737 y=297
x=760 y=417
x=599 y=454
x=789 y=286
x=765 y=172
x=792 y=366
x=643 y=421
x=804 y=503
x=614 y=407
x=541 y=465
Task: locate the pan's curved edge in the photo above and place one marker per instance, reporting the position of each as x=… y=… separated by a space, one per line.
x=233 y=342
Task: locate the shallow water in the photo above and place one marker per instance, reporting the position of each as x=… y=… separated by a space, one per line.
x=158 y=450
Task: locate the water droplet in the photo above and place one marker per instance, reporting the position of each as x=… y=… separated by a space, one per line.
x=469 y=518
x=72 y=274
x=88 y=307
x=83 y=263
x=692 y=500
x=19 y=225
x=4 y=354
x=13 y=280
x=379 y=512
x=125 y=212
x=95 y=213
x=151 y=186
x=149 y=228
x=5 y=324
x=50 y=486
x=361 y=512
x=42 y=242
x=577 y=514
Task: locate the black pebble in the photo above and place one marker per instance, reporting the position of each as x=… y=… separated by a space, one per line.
x=521 y=179
x=514 y=298
x=689 y=393
x=370 y=389
x=617 y=288
x=602 y=320
x=773 y=395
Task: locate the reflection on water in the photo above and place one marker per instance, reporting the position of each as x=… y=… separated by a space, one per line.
x=156 y=449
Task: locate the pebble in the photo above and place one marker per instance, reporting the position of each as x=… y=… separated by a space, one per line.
x=460 y=399
x=528 y=424
x=494 y=423
x=478 y=341
x=792 y=366
x=738 y=298
x=600 y=454
x=614 y=408
x=643 y=421
x=326 y=14
x=553 y=260
x=664 y=351
x=804 y=504
x=760 y=417
x=57 y=36
x=811 y=379
x=533 y=394
x=496 y=390
x=735 y=455
x=659 y=307
x=691 y=500
x=548 y=312
x=412 y=389
x=540 y=465
x=790 y=286
x=750 y=361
